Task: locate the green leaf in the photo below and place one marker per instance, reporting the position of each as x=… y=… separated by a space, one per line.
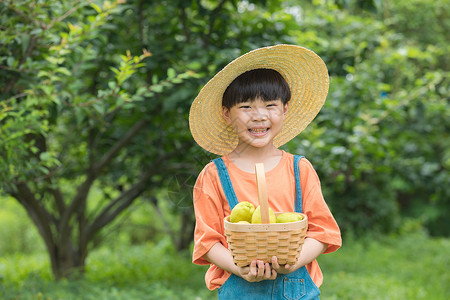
x=155 y=79
x=92 y=19
x=25 y=41
x=55 y=60
x=157 y=88
x=177 y=80
x=45 y=156
x=10 y=61
x=112 y=84
x=97 y=8
x=171 y=73
x=42 y=74
x=64 y=71
x=115 y=70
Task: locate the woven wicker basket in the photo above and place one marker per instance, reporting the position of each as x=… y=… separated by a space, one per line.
x=248 y=242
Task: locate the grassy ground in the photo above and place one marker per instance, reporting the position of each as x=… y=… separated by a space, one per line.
x=406 y=267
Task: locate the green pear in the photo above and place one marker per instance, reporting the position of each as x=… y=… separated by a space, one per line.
x=243 y=211
x=288 y=217
x=256 y=218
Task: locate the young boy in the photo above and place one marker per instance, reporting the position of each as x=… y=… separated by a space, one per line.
x=255 y=104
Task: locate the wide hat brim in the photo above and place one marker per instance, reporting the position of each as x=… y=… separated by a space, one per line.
x=304 y=71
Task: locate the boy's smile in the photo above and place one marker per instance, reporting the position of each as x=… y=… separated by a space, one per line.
x=258 y=132
x=256 y=122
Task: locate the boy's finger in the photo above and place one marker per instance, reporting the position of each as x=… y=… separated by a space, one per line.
x=252 y=269
x=260 y=268
x=245 y=270
x=268 y=271
x=274 y=274
x=275 y=264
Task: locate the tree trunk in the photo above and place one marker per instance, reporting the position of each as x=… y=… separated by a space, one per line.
x=66 y=262
x=65 y=259
x=186 y=234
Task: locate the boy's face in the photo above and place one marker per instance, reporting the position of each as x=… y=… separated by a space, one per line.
x=256 y=122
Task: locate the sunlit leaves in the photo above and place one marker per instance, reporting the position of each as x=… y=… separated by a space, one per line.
x=128 y=66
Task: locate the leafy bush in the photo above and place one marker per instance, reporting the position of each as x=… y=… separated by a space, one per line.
x=380 y=144
x=17 y=232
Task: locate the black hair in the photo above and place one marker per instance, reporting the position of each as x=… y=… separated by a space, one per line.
x=266 y=84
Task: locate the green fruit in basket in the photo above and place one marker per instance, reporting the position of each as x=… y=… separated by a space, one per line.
x=256 y=218
x=289 y=217
x=243 y=211
x=243 y=222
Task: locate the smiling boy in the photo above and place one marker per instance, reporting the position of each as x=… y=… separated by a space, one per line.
x=254 y=105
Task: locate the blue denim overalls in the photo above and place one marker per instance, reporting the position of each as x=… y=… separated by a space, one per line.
x=296 y=285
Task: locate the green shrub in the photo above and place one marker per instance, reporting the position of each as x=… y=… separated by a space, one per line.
x=380 y=143
x=17 y=232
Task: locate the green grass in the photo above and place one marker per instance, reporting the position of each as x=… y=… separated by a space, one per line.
x=126 y=273
x=396 y=267
x=406 y=267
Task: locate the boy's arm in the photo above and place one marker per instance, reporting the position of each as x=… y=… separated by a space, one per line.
x=310 y=251
x=257 y=271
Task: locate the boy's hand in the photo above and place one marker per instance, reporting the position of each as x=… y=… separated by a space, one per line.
x=257 y=271
x=282 y=269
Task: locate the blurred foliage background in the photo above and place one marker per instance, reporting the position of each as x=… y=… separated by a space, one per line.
x=95 y=95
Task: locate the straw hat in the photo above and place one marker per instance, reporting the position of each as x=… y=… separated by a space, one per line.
x=304 y=71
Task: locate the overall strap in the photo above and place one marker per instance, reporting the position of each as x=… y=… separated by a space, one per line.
x=298 y=189
x=226 y=182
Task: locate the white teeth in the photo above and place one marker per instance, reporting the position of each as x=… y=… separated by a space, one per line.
x=258 y=130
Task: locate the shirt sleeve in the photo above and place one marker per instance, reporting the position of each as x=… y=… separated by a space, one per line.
x=321 y=224
x=209 y=214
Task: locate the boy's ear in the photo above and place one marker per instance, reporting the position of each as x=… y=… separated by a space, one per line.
x=286 y=108
x=226 y=115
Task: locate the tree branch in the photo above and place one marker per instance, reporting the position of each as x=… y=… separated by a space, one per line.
x=67 y=14
x=167 y=228
x=59 y=199
x=119 y=145
x=37 y=213
x=142 y=37
x=78 y=201
x=141 y=20
x=127 y=197
x=184 y=25
x=40 y=143
x=32 y=44
x=93 y=173
x=19 y=12
x=80 y=197
x=116 y=206
x=212 y=21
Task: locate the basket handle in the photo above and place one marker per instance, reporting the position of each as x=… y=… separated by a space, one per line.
x=262 y=192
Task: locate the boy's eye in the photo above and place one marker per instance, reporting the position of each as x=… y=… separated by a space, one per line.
x=244 y=106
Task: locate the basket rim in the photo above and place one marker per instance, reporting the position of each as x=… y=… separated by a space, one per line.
x=238 y=227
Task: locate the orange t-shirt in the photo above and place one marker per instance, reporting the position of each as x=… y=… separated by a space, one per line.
x=211 y=207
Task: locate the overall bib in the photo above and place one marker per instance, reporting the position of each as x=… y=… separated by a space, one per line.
x=293 y=286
